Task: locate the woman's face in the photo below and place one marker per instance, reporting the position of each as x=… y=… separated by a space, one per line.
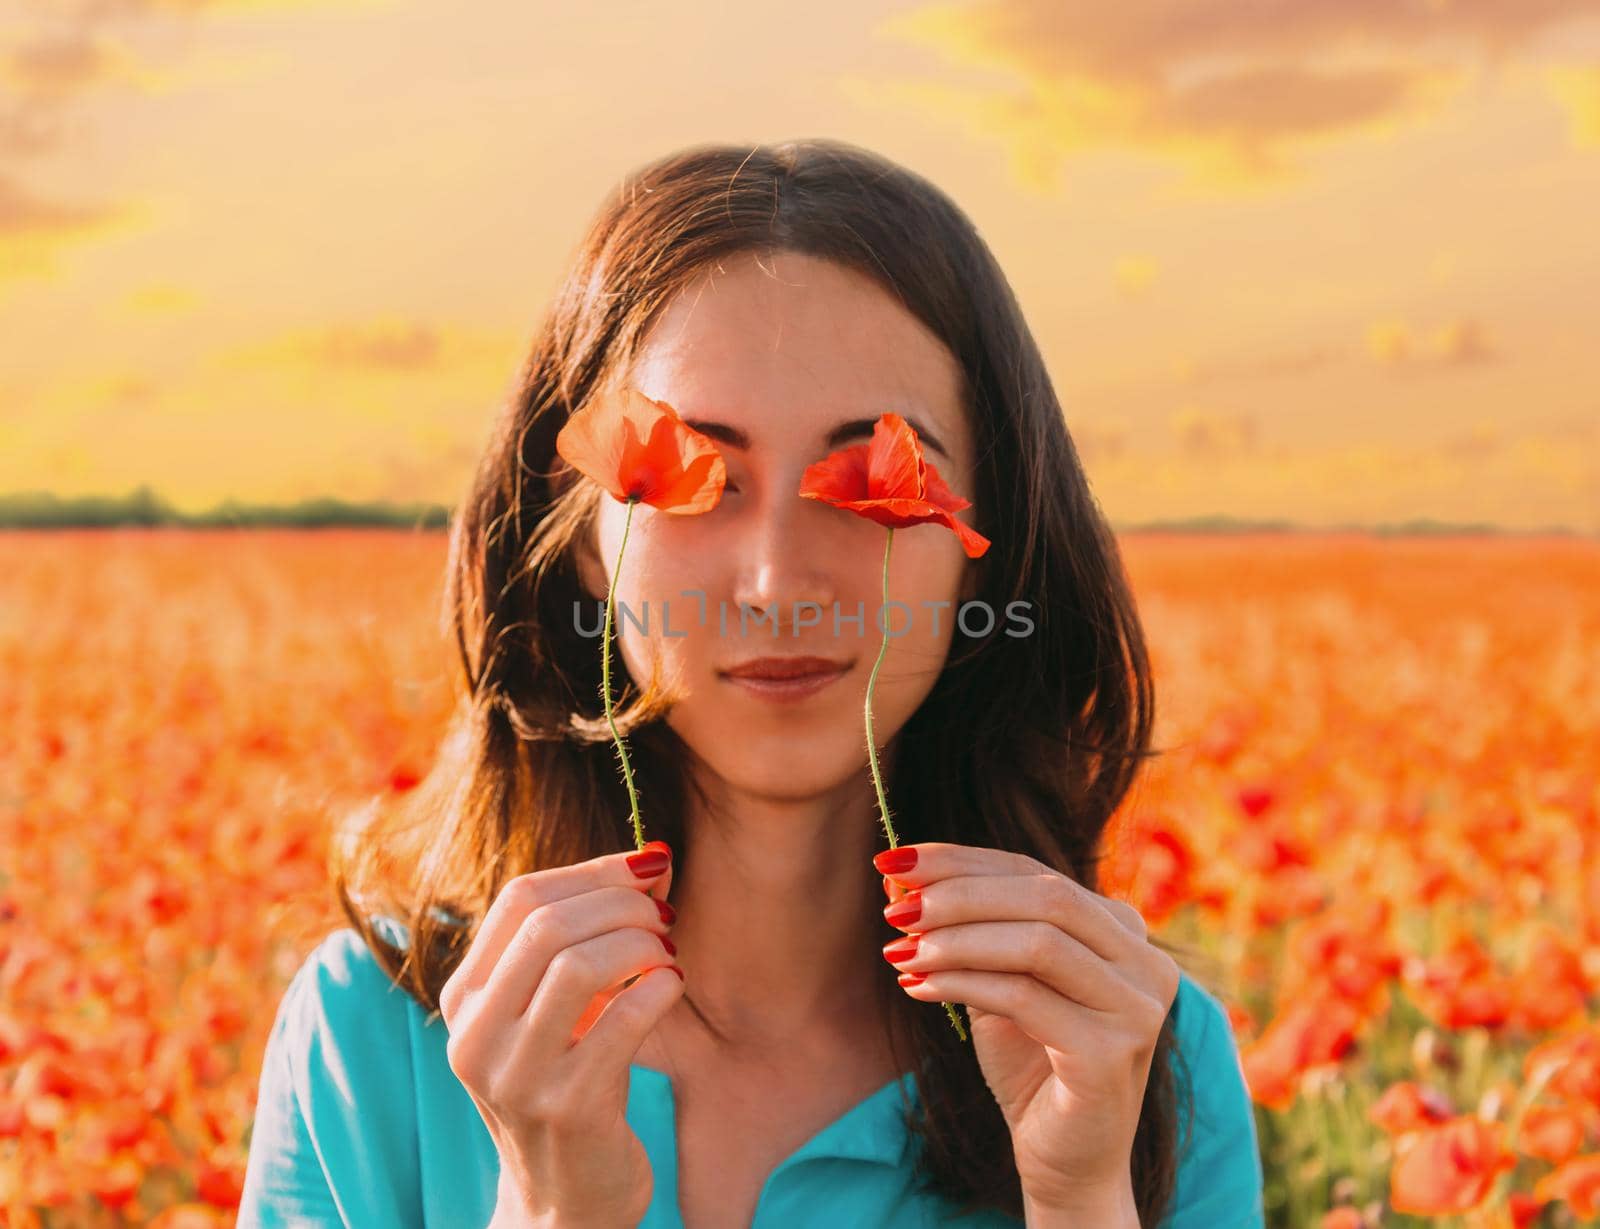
x=782 y=359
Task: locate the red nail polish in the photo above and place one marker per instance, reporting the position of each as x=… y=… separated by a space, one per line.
x=672 y=948
x=896 y=861
x=901 y=950
x=667 y=912
x=904 y=911
x=678 y=971
x=912 y=979
x=648 y=863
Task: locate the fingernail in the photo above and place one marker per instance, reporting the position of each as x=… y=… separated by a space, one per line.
x=912 y=979
x=898 y=951
x=904 y=911
x=678 y=971
x=647 y=863
x=667 y=912
x=672 y=948
x=895 y=861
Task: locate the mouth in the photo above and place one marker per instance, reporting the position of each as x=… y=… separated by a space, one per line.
x=785 y=678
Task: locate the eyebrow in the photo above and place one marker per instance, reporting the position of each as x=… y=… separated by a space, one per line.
x=735 y=438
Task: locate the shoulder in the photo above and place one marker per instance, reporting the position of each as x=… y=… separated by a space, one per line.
x=334 y=1137
x=342 y=1005
x=1219 y=1180
x=342 y=1017
x=340 y=974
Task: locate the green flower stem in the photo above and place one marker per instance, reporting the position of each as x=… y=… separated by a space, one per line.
x=872 y=743
x=605 y=683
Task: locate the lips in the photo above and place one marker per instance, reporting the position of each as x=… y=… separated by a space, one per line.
x=783 y=669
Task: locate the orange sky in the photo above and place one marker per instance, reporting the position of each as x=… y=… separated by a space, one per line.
x=1339 y=266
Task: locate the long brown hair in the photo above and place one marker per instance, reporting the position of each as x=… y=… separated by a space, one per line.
x=1024 y=743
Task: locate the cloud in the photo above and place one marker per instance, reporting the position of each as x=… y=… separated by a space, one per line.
x=52 y=58
x=378 y=345
x=1482 y=440
x=60 y=65
x=35 y=228
x=395 y=345
x=23 y=212
x=1204 y=434
x=159 y=299
x=1134 y=274
x=1461 y=343
x=1298 y=361
x=361 y=408
x=437 y=467
x=1578 y=91
x=1492 y=472
x=1456 y=343
x=1100 y=439
x=1234 y=88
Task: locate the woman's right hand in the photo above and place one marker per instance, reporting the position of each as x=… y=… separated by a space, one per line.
x=542 y=1033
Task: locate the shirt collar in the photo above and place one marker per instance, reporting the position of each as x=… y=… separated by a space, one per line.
x=871 y=1130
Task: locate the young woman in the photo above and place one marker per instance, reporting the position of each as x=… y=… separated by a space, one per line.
x=503 y=1034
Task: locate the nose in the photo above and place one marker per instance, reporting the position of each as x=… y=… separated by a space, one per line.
x=783 y=563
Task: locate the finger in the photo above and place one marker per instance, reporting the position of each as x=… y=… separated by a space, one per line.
x=577 y=974
x=915 y=865
x=551 y=929
x=1030 y=1005
x=1127 y=915
x=627 y=1018
x=1038 y=949
x=1047 y=897
x=525 y=893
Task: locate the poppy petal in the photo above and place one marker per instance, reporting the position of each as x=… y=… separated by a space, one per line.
x=639 y=448
x=593 y=447
x=939 y=494
x=896 y=513
x=888 y=481
x=973 y=542
x=838 y=478
x=698 y=488
x=894 y=460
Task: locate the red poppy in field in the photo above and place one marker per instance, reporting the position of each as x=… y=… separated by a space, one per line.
x=1313 y=1032
x=638 y=448
x=1408 y=1106
x=890 y=482
x=1449 y=1168
x=1555 y=1133
x=1576 y=1182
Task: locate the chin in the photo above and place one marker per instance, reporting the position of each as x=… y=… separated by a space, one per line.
x=788 y=772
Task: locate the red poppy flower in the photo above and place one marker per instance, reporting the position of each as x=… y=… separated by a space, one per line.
x=890 y=482
x=638 y=448
x=1447 y=1169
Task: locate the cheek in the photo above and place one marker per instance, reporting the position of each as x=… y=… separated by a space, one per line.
x=929 y=571
x=664 y=555
x=667 y=586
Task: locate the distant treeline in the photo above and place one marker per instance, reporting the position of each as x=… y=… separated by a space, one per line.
x=43 y=510
x=142 y=506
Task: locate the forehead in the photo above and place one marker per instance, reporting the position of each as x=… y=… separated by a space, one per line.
x=789 y=343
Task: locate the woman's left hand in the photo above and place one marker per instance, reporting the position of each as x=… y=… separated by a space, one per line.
x=1066 y=996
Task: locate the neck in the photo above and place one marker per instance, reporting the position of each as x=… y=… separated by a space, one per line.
x=778 y=903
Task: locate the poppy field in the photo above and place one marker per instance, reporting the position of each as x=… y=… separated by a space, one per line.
x=1374 y=832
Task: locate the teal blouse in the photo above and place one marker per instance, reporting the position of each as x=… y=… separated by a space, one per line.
x=361 y=1122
